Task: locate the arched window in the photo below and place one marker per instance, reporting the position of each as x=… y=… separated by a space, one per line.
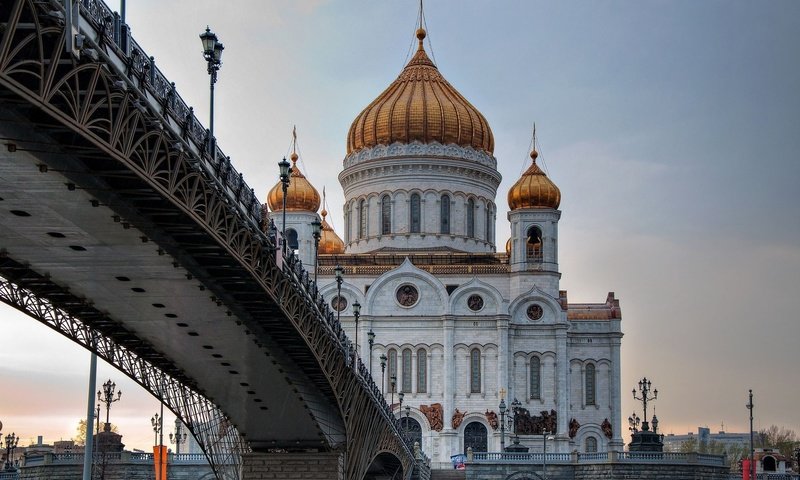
x=488 y=222
x=591 y=385
x=591 y=445
x=536 y=378
x=470 y=218
x=533 y=244
x=362 y=219
x=411 y=429
x=422 y=371
x=769 y=464
x=406 y=384
x=386 y=215
x=414 y=220
x=291 y=239
x=475 y=371
x=444 y=226
x=392 y=365
x=475 y=437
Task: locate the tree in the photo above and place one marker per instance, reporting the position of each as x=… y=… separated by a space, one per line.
x=80 y=434
x=688 y=446
x=781 y=438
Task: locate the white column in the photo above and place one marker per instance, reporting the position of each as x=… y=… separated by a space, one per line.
x=448 y=325
x=561 y=368
x=616 y=402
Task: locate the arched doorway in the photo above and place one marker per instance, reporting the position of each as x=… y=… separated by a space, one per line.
x=475 y=436
x=411 y=430
x=769 y=464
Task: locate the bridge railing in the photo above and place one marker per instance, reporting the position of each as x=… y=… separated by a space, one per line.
x=140 y=69
x=293 y=267
x=48 y=458
x=576 y=457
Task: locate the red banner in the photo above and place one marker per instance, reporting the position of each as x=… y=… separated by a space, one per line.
x=160 y=461
x=746 y=469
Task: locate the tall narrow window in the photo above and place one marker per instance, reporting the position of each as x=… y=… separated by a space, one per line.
x=591 y=384
x=475 y=371
x=414 y=221
x=406 y=371
x=533 y=244
x=422 y=370
x=536 y=378
x=470 y=218
x=386 y=215
x=348 y=214
x=392 y=364
x=291 y=239
x=591 y=445
x=362 y=219
x=445 y=215
x=488 y=222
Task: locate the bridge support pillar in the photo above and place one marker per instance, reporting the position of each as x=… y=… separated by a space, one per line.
x=304 y=466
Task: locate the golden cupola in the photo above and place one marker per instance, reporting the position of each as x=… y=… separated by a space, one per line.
x=300 y=195
x=420 y=106
x=534 y=189
x=329 y=242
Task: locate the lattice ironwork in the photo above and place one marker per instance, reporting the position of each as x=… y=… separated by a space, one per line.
x=122 y=107
x=209 y=425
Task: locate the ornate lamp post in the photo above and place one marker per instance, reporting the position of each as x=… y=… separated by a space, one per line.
x=407 y=429
x=356 y=314
x=316 y=232
x=514 y=406
x=158 y=429
x=400 y=409
x=12 y=440
x=371 y=341
x=545 y=435
x=383 y=370
x=644 y=388
x=502 y=409
x=285 y=171
x=106 y=395
x=212 y=52
x=178 y=437
x=339 y=273
x=644 y=440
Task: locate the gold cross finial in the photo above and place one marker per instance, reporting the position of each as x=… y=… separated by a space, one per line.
x=502 y=393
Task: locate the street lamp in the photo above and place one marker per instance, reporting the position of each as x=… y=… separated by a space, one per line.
x=752 y=451
x=356 y=314
x=407 y=429
x=644 y=388
x=212 y=52
x=338 y=272
x=12 y=441
x=179 y=437
x=371 y=341
x=633 y=423
x=316 y=232
x=107 y=396
x=158 y=429
x=400 y=409
x=514 y=406
x=383 y=371
x=502 y=424
x=545 y=434
x=393 y=381
x=285 y=171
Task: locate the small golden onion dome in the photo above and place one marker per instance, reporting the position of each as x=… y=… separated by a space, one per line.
x=508 y=246
x=300 y=195
x=534 y=189
x=329 y=242
x=420 y=106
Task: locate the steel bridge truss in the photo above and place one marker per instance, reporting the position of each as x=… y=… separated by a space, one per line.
x=112 y=101
x=208 y=424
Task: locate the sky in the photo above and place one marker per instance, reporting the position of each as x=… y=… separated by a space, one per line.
x=671 y=128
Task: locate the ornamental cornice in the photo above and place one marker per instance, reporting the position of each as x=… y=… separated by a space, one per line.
x=448 y=169
x=418 y=149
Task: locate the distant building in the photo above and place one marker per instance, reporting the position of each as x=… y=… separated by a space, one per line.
x=672 y=442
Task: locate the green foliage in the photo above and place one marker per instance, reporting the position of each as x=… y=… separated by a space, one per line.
x=80 y=432
x=781 y=438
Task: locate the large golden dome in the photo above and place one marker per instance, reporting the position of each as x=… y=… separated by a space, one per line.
x=329 y=242
x=300 y=195
x=420 y=106
x=534 y=189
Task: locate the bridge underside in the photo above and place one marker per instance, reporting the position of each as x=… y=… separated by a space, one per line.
x=97 y=233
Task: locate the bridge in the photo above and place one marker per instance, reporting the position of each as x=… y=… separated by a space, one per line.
x=124 y=231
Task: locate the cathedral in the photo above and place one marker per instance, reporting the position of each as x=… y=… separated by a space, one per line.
x=472 y=347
